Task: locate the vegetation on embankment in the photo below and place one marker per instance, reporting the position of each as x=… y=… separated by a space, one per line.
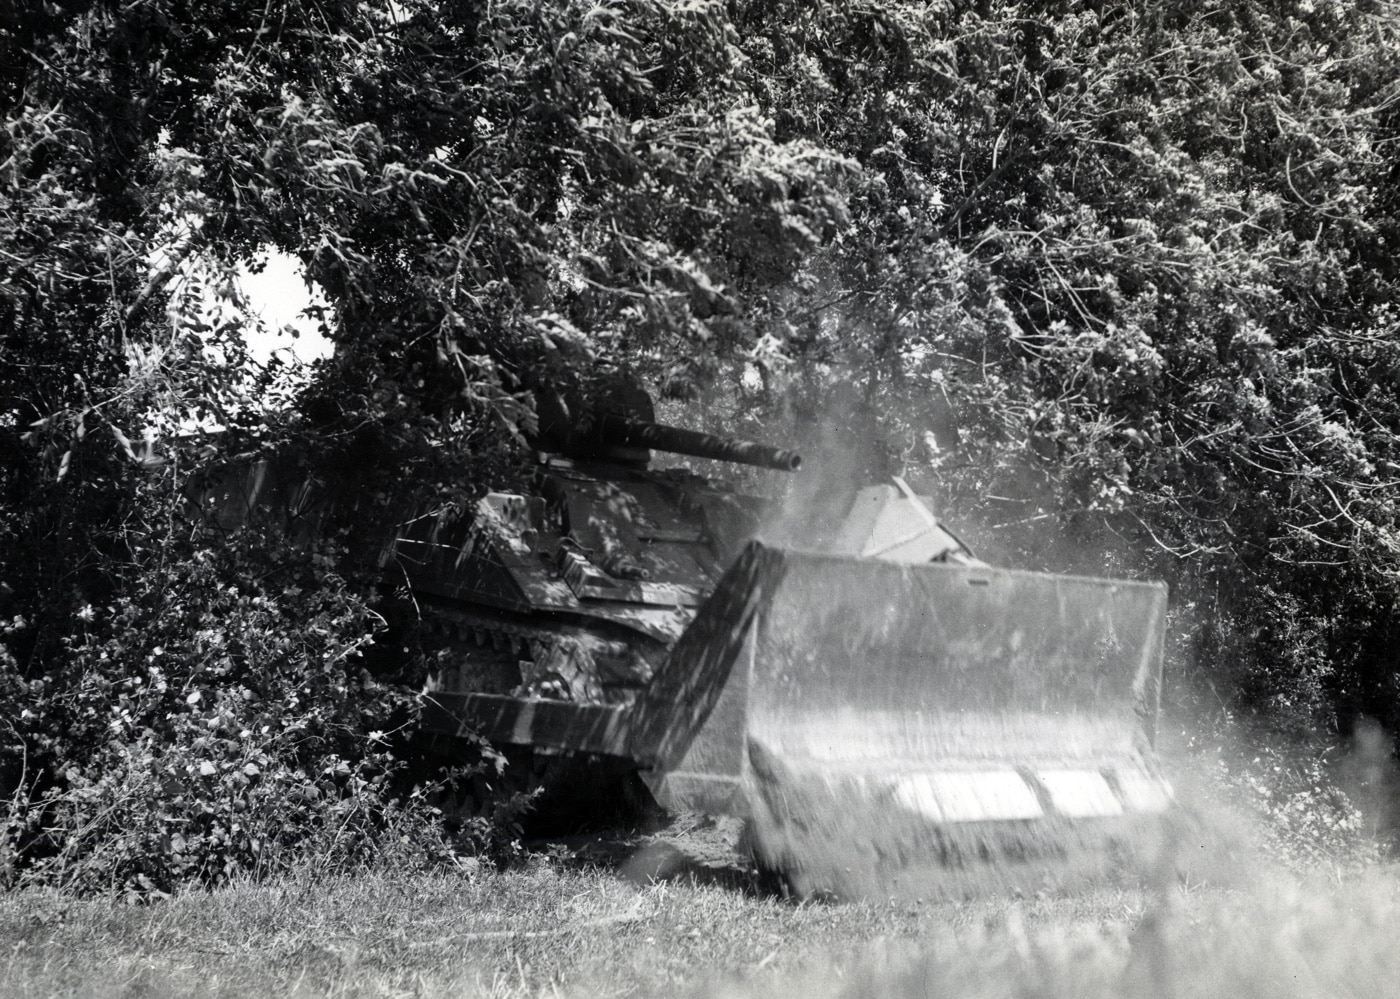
x=1116 y=283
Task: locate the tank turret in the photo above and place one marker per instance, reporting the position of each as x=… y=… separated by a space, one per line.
x=614 y=420
x=618 y=431
x=575 y=587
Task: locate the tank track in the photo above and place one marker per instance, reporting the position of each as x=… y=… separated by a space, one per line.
x=495 y=654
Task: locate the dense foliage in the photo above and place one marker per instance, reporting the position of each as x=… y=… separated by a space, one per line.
x=1123 y=275
x=1114 y=279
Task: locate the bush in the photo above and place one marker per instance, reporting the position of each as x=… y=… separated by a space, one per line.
x=1304 y=819
x=215 y=718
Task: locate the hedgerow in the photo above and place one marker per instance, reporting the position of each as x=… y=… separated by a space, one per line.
x=214 y=718
x=1120 y=282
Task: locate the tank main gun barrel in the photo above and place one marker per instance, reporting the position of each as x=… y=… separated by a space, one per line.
x=622 y=432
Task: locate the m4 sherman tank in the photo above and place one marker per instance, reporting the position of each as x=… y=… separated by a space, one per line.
x=889 y=715
x=576 y=591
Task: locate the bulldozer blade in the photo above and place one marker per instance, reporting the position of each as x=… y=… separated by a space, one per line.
x=919 y=730
x=862 y=839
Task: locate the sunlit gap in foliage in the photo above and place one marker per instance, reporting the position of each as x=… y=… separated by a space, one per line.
x=279 y=296
x=265 y=305
x=251 y=319
x=267 y=299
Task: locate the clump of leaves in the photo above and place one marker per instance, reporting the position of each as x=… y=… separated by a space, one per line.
x=215 y=718
x=1307 y=819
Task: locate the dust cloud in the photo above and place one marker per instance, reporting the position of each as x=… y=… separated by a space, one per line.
x=842 y=450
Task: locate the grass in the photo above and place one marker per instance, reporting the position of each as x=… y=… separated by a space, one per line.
x=681 y=917
x=555 y=928
x=536 y=931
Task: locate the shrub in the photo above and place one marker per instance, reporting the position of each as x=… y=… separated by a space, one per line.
x=215 y=718
x=1306 y=819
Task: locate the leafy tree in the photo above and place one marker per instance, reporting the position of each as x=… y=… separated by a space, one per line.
x=488 y=195
x=1132 y=260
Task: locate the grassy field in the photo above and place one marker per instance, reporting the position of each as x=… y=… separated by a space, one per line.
x=565 y=926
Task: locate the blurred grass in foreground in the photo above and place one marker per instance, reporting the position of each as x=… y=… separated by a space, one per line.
x=1282 y=941
x=549 y=930
x=1225 y=919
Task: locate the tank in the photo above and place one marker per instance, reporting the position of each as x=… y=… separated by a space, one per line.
x=576 y=590
x=890 y=716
